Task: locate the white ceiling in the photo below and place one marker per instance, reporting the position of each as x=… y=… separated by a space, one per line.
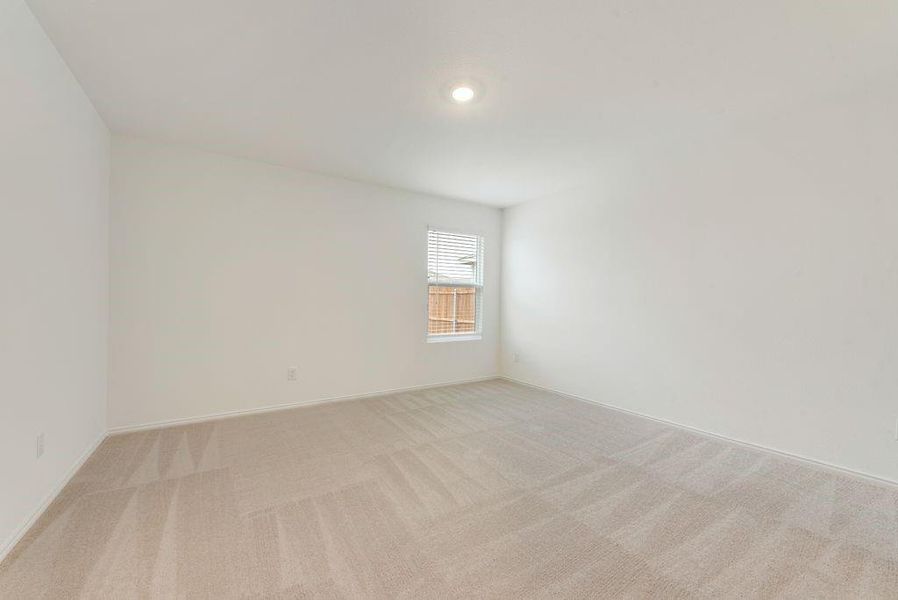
x=357 y=88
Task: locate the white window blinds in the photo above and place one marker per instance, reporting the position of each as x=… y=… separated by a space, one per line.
x=454 y=258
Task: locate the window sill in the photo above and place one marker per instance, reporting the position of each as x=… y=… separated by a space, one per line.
x=465 y=337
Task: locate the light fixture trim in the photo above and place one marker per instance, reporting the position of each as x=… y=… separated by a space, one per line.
x=462 y=93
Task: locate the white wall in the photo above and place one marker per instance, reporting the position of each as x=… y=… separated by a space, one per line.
x=226 y=271
x=745 y=284
x=54 y=161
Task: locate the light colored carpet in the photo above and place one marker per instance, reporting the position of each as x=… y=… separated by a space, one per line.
x=488 y=490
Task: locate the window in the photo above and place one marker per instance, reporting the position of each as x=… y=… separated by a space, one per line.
x=454 y=285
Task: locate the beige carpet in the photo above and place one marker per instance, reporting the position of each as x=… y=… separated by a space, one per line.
x=488 y=490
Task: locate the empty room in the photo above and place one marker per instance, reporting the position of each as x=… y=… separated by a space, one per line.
x=500 y=299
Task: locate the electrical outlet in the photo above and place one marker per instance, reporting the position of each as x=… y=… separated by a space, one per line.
x=292 y=373
x=40 y=445
x=516 y=357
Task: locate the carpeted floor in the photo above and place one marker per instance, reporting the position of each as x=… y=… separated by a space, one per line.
x=487 y=490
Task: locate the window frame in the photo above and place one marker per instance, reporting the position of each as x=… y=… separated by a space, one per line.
x=477 y=334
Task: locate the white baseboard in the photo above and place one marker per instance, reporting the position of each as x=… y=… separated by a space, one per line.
x=11 y=542
x=264 y=409
x=783 y=454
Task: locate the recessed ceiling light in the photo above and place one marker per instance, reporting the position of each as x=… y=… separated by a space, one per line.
x=462 y=93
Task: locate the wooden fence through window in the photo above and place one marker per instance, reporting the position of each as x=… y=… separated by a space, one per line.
x=451 y=310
